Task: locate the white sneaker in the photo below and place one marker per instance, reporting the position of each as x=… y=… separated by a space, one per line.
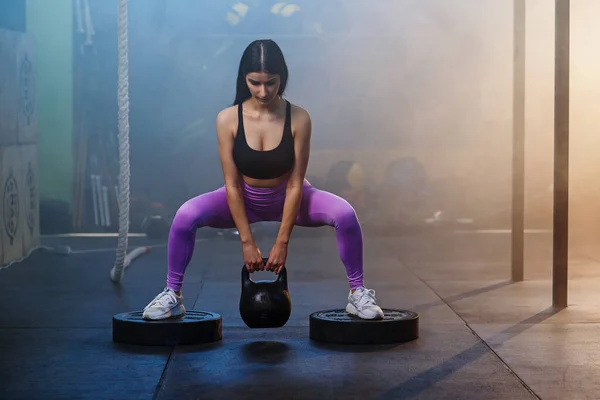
x=166 y=305
x=362 y=304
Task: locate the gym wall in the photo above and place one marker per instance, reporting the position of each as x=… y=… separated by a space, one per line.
x=51 y=24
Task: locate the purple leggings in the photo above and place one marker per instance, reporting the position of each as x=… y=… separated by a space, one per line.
x=319 y=208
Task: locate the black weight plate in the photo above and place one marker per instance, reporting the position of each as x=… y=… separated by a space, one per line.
x=195 y=327
x=337 y=326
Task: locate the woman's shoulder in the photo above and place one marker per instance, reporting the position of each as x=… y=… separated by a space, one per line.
x=299 y=112
x=301 y=122
x=227 y=115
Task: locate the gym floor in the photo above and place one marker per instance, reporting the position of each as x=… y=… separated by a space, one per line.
x=481 y=336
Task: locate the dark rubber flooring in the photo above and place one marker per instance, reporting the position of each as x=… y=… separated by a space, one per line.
x=56 y=343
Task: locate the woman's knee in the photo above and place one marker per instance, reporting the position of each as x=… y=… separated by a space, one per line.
x=344 y=215
x=186 y=216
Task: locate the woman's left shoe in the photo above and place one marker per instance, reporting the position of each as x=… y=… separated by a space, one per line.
x=362 y=304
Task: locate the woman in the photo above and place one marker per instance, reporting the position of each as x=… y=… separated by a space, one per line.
x=264 y=181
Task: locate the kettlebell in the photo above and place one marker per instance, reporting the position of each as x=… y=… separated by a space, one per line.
x=265 y=304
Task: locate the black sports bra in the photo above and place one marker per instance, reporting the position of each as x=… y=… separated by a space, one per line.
x=269 y=164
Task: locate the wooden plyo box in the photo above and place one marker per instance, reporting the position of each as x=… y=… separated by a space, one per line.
x=18 y=92
x=19 y=205
x=9 y=102
x=27 y=121
x=11 y=208
x=30 y=198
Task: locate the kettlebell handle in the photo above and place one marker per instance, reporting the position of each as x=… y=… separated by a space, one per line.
x=281 y=278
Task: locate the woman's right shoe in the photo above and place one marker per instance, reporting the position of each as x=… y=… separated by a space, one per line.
x=362 y=303
x=167 y=304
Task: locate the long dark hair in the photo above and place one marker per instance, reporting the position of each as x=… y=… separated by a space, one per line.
x=260 y=56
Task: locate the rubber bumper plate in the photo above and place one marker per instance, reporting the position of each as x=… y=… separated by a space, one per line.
x=337 y=326
x=195 y=327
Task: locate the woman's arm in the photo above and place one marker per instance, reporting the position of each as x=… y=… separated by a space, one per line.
x=293 y=194
x=232 y=177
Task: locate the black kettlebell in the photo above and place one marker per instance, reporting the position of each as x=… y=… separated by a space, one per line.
x=265 y=304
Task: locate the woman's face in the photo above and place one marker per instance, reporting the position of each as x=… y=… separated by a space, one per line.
x=263 y=86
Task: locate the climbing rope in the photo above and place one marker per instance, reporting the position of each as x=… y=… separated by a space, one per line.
x=117 y=270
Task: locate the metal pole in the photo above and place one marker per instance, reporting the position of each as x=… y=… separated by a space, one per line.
x=560 y=262
x=518 y=165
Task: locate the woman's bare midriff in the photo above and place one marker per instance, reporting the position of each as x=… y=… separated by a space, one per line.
x=265 y=183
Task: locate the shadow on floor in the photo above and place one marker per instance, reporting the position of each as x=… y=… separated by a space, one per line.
x=451 y=299
x=423 y=381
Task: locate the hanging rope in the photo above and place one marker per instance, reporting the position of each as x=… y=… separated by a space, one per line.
x=117 y=270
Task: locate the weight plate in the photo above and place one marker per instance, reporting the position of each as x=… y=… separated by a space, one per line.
x=337 y=326
x=195 y=327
